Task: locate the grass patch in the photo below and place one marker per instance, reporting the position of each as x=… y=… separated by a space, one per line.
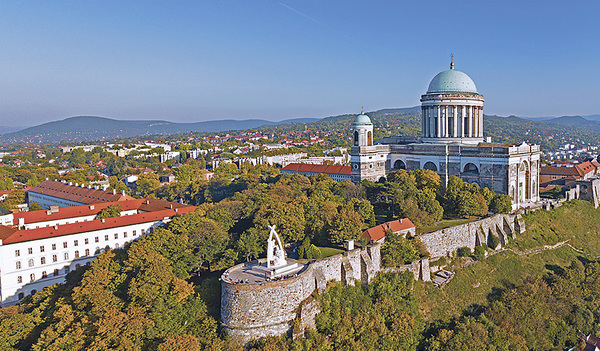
x=576 y=221
x=329 y=251
x=472 y=287
x=445 y=224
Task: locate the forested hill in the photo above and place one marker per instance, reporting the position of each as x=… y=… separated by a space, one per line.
x=548 y=132
x=91 y=128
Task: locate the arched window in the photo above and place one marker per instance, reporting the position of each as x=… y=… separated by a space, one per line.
x=44 y=275
x=76 y=253
x=43 y=260
x=87 y=252
x=31 y=262
x=32 y=277
x=399 y=164
x=356 y=138
x=370 y=138
x=471 y=168
x=18 y=263
x=430 y=166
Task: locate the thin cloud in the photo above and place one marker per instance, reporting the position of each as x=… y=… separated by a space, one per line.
x=314 y=20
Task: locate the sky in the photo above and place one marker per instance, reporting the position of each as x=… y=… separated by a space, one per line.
x=189 y=61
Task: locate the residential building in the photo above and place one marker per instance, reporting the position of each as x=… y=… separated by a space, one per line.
x=62 y=194
x=337 y=173
x=402 y=226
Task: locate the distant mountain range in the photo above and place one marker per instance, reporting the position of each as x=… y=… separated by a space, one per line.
x=89 y=128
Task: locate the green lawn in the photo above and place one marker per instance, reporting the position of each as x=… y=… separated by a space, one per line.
x=329 y=251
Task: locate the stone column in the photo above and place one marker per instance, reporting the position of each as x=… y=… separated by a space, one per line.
x=461 y=125
x=446 y=118
x=481 y=122
x=471 y=113
x=455 y=121
x=439 y=117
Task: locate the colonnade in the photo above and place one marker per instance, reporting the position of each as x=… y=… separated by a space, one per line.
x=452 y=121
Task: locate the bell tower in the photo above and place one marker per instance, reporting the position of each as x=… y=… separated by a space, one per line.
x=365 y=159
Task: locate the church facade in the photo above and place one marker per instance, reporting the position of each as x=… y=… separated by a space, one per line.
x=452 y=143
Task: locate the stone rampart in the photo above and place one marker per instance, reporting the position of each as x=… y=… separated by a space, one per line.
x=445 y=241
x=254 y=310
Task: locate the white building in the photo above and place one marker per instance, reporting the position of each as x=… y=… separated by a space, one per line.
x=452 y=143
x=44 y=246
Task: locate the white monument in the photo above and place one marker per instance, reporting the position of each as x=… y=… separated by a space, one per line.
x=275 y=251
x=276 y=265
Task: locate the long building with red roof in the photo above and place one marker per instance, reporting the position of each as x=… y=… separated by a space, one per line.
x=62 y=194
x=338 y=173
x=42 y=247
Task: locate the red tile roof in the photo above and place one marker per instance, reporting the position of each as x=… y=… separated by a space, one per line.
x=77 y=193
x=378 y=232
x=327 y=169
x=145 y=205
x=586 y=167
x=561 y=171
x=401 y=224
x=12 y=235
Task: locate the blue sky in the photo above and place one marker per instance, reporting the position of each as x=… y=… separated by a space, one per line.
x=188 y=61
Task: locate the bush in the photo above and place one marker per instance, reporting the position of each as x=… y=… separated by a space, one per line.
x=463 y=251
x=479 y=252
x=493 y=241
x=439 y=262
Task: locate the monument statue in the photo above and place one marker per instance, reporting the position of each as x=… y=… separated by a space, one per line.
x=275 y=251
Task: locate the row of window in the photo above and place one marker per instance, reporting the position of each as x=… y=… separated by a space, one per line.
x=31 y=262
x=76 y=242
x=45 y=274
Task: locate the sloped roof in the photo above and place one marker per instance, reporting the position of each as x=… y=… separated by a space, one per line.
x=326 y=169
x=144 y=205
x=378 y=232
x=586 y=167
x=561 y=171
x=80 y=194
x=12 y=235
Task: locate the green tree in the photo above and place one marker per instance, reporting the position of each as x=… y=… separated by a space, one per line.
x=34 y=206
x=110 y=211
x=501 y=203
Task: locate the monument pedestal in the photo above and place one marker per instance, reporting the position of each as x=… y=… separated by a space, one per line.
x=274 y=272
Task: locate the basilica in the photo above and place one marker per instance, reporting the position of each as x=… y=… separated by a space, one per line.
x=452 y=143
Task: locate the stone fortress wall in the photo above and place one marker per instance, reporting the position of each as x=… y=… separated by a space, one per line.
x=445 y=241
x=255 y=310
x=250 y=311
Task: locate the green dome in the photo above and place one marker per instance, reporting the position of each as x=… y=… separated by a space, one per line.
x=362 y=119
x=452 y=81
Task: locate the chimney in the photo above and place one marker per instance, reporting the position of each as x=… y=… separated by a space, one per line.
x=76 y=184
x=21 y=222
x=123 y=192
x=56 y=227
x=103 y=220
x=92 y=207
x=114 y=192
x=70 y=183
x=175 y=210
x=171 y=206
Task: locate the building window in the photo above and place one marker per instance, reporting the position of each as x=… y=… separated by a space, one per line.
x=44 y=275
x=31 y=277
x=42 y=248
x=143 y=232
x=43 y=260
x=67 y=270
x=106 y=237
x=76 y=243
x=116 y=235
x=30 y=250
x=87 y=252
x=18 y=264
x=107 y=248
x=87 y=241
x=55 y=272
x=116 y=245
x=125 y=234
x=19 y=279
x=53 y=246
x=66 y=256
x=76 y=253
x=97 y=239
x=54 y=258
x=17 y=253
x=134 y=232
x=65 y=245
x=31 y=262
